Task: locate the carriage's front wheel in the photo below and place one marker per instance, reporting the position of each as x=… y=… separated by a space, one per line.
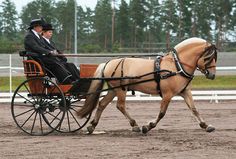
x=37 y=106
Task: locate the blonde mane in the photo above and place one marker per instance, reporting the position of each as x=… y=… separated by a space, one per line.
x=190 y=41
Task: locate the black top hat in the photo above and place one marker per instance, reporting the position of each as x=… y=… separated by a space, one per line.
x=47 y=27
x=35 y=22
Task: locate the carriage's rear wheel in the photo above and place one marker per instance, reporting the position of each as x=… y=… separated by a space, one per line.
x=71 y=122
x=37 y=106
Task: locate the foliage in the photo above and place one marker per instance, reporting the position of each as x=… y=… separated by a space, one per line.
x=102 y=23
x=89 y=48
x=8 y=17
x=123 y=24
x=140 y=25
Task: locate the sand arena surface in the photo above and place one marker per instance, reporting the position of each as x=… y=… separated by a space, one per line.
x=176 y=136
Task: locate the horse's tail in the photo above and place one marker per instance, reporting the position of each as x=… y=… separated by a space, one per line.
x=92 y=99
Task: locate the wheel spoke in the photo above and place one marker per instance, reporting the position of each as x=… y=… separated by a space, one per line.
x=26 y=87
x=23 y=105
x=75 y=118
x=27 y=119
x=40 y=121
x=68 y=120
x=32 y=128
x=55 y=117
x=24 y=98
x=24 y=112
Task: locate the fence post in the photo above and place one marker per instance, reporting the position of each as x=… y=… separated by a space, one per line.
x=10 y=73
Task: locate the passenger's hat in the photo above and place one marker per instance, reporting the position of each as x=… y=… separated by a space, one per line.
x=47 y=27
x=35 y=22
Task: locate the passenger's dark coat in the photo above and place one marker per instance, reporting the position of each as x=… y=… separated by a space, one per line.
x=69 y=66
x=55 y=65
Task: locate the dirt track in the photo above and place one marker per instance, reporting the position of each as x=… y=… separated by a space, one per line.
x=177 y=135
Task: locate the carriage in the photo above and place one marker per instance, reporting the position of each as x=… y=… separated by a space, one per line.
x=40 y=105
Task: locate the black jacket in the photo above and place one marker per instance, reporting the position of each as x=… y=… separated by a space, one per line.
x=34 y=44
x=56 y=66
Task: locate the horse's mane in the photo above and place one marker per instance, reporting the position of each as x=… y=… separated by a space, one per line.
x=191 y=40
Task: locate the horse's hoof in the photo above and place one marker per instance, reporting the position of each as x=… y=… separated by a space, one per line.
x=210 y=128
x=136 y=129
x=144 y=129
x=90 y=129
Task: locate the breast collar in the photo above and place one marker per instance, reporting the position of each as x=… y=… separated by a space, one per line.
x=179 y=66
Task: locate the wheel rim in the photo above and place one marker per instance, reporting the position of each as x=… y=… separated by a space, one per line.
x=38 y=112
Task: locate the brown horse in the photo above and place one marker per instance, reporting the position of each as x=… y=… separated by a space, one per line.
x=186 y=57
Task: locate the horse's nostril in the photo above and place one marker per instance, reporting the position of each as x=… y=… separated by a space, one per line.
x=210 y=76
x=213 y=76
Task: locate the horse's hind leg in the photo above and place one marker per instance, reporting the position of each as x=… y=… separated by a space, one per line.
x=101 y=106
x=163 y=108
x=187 y=95
x=121 y=95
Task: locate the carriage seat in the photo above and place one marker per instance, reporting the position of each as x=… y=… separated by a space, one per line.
x=33 y=69
x=33 y=66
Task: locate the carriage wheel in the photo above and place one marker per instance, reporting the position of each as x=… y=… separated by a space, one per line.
x=71 y=122
x=37 y=106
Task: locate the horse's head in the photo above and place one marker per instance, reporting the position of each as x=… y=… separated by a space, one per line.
x=207 y=62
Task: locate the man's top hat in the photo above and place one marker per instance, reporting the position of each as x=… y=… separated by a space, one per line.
x=47 y=27
x=35 y=22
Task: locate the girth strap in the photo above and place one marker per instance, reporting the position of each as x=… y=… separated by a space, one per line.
x=121 y=62
x=157 y=75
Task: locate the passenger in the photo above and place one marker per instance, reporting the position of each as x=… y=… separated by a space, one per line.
x=35 y=43
x=47 y=35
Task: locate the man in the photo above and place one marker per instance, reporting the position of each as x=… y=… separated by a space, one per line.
x=34 y=42
x=47 y=35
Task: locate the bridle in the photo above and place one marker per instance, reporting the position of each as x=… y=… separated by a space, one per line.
x=209 y=55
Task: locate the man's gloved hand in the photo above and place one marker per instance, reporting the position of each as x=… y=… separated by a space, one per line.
x=54 y=52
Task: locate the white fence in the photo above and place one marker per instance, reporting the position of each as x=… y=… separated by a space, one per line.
x=206 y=95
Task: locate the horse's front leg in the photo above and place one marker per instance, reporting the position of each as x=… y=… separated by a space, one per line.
x=101 y=106
x=164 y=105
x=187 y=95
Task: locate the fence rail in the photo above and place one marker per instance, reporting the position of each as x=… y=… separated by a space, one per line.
x=206 y=95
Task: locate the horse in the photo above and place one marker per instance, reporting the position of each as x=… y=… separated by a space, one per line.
x=179 y=66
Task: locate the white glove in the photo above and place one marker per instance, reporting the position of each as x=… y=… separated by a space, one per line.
x=54 y=52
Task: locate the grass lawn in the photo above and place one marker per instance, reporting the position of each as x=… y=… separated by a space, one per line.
x=221 y=82
x=199 y=82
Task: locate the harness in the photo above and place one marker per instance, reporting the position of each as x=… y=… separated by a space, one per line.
x=179 y=67
x=158 y=74
x=180 y=70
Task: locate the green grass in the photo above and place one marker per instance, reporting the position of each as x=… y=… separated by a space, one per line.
x=221 y=82
x=199 y=82
x=5 y=82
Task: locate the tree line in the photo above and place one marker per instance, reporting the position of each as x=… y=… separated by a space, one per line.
x=121 y=26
